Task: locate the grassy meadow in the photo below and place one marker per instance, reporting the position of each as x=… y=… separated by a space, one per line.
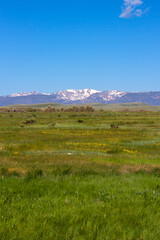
x=79 y=175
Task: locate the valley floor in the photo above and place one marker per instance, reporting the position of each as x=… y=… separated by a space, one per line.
x=80 y=176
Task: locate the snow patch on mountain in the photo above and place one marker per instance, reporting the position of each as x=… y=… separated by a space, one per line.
x=75 y=95
x=22 y=94
x=112 y=95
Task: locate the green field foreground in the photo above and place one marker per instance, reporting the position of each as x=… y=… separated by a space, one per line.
x=80 y=176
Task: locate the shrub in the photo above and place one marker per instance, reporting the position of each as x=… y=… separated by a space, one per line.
x=49 y=109
x=80 y=121
x=33 y=174
x=113 y=125
x=30 y=121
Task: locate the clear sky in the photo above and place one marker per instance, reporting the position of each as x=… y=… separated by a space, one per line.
x=53 y=45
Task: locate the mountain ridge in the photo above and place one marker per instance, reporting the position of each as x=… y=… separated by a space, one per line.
x=72 y=96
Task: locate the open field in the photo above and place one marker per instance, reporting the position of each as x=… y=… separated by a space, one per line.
x=80 y=176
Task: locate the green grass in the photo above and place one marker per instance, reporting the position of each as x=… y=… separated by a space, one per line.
x=90 y=206
x=62 y=179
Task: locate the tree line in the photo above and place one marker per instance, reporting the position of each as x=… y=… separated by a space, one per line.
x=49 y=109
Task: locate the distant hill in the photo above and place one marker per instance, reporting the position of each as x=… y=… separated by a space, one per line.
x=85 y=96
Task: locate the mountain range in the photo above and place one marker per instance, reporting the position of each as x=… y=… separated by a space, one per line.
x=72 y=96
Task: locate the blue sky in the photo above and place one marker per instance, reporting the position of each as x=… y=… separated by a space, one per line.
x=54 y=45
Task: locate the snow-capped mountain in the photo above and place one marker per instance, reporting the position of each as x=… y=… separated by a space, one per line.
x=72 y=96
x=106 y=96
x=76 y=95
x=21 y=94
x=112 y=95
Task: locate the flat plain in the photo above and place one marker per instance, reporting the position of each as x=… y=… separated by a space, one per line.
x=79 y=175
